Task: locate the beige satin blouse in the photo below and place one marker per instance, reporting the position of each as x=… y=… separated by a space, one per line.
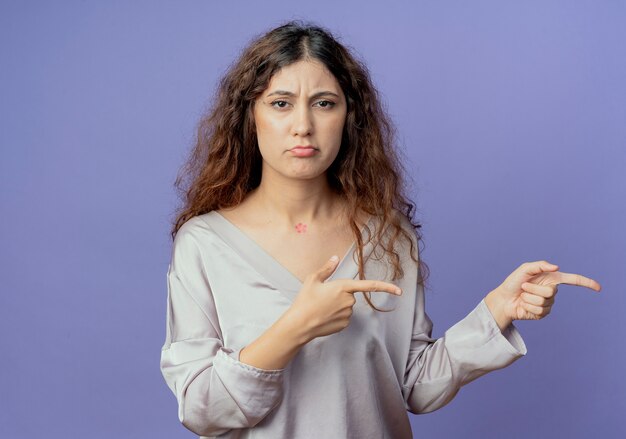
x=224 y=290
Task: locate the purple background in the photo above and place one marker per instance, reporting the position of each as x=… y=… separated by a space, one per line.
x=513 y=117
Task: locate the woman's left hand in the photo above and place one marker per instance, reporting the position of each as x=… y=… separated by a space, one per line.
x=528 y=293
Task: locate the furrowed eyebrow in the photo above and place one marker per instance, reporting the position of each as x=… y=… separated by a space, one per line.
x=314 y=96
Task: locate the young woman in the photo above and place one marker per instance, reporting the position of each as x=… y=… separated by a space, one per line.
x=294 y=204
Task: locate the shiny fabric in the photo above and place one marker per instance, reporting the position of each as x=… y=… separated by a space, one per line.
x=224 y=291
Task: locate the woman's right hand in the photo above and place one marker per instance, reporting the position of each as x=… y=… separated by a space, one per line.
x=324 y=308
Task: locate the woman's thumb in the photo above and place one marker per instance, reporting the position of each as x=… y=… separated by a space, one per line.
x=328 y=268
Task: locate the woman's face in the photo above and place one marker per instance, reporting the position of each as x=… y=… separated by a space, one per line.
x=303 y=105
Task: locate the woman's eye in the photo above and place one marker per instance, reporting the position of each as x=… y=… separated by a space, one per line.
x=279 y=102
x=329 y=104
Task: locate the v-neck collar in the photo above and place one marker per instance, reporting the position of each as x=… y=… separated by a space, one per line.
x=278 y=275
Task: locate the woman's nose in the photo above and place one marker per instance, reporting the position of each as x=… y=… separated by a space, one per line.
x=302 y=123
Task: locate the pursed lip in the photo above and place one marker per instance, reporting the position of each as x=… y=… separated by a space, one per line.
x=303 y=147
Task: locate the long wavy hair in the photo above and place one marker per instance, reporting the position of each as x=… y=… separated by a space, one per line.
x=225 y=163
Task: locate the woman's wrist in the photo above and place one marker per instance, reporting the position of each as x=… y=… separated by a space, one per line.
x=495 y=304
x=294 y=327
x=277 y=346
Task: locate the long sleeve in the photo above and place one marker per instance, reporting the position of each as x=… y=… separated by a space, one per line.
x=438 y=368
x=215 y=391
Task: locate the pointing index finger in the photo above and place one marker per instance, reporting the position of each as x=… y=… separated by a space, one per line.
x=578 y=280
x=353 y=286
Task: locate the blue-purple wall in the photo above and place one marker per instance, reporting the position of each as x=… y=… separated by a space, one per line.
x=513 y=118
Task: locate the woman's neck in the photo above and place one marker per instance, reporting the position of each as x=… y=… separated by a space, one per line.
x=291 y=202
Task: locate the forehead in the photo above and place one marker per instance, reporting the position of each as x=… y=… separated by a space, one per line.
x=307 y=74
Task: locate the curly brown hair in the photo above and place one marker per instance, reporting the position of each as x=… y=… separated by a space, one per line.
x=225 y=163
